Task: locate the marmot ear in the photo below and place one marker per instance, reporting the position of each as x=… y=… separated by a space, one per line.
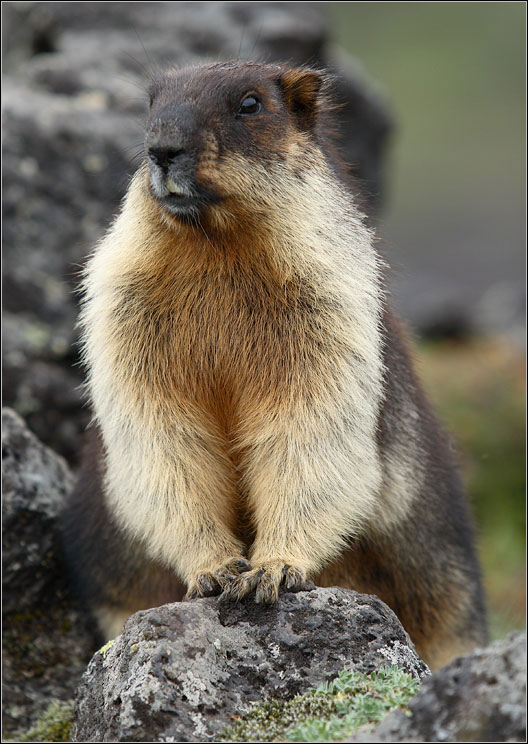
x=300 y=88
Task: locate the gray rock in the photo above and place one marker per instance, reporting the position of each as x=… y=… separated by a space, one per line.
x=46 y=644
x=35 y=483
x=478 y=697
x=182 y=670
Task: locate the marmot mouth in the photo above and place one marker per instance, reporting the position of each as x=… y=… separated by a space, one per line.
x=181 y=196
x=187 y=207
x=181 y=203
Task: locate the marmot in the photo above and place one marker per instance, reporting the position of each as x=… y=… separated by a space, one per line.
x=257 y=419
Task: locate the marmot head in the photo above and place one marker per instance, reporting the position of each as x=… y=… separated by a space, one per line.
x=218 y=136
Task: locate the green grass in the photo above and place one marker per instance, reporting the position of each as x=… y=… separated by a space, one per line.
x=331 y=712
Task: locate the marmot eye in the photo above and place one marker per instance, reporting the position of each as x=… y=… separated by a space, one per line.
x=250 y=105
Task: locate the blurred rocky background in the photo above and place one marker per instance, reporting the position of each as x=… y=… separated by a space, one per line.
x=432 y=125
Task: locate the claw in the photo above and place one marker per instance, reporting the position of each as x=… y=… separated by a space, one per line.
x=241 y=586
x=294 y=580
x=266 y=581
x=211 y=583
x=242 y=566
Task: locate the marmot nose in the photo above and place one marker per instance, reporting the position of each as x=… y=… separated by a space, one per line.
x=164 y=157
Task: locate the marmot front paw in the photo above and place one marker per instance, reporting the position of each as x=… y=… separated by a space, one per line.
x=211 y=583
x=265 y=580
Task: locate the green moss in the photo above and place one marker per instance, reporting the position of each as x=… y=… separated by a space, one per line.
x=54 y=724
x=331 y=712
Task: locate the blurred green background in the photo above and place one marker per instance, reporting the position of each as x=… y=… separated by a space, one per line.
x=454 y=77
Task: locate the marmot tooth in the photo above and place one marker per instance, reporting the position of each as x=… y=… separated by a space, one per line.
x=172 y=187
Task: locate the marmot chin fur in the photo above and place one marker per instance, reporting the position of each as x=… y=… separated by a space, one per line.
x=258 y=423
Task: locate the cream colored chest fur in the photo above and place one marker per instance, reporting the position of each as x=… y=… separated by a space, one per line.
x=212 y=376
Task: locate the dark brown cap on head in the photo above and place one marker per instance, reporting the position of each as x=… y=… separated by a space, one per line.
x=203 y=114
